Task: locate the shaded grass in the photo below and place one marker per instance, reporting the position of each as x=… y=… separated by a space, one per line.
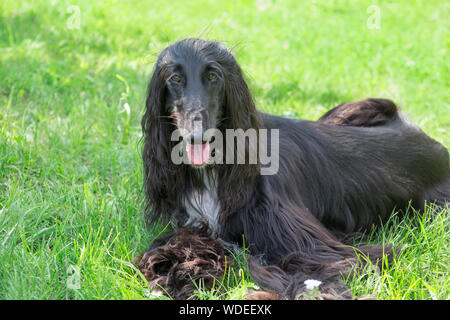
x=70 y=169
x=420 y=270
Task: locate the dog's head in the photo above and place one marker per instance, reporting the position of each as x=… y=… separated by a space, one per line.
x=197 y=86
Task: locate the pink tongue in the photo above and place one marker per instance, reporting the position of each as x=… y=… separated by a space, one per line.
x=198 y=154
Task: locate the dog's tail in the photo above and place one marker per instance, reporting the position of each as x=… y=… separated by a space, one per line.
x=363 y=113
x=299 y=285
x=297 y=277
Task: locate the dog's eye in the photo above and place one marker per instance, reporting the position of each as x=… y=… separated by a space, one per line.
x=175 y=78
x=212 y=76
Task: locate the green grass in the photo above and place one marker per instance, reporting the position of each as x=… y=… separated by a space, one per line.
x=70 y=169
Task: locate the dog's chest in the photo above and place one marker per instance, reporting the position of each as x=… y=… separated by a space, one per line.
x=203 y=205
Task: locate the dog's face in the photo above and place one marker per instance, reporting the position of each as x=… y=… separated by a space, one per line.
x=194 y=99
x=197 y=87
x=195 y=93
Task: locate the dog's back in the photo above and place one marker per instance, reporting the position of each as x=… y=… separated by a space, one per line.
x=383 y=112
x=367 y=161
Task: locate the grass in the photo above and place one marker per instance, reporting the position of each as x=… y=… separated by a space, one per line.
x=71 y=99
x=421 y=270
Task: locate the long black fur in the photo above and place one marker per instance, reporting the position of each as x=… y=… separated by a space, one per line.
x=342 y=174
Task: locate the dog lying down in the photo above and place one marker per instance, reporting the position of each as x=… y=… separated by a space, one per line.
x=189 y=258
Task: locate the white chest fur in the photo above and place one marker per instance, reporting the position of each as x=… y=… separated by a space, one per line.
x=203 y=205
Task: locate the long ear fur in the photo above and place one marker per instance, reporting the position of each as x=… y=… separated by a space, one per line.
x=237 y=181
x=159 y=170
x=240 y=107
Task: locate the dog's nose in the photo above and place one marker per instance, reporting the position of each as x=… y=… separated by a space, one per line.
x=196 y=138
x=196 y=134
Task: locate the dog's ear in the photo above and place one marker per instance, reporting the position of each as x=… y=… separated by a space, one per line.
x=237 y=181
x=155 y=104
x=157 y=148
x=154 y=131
x=239 y=104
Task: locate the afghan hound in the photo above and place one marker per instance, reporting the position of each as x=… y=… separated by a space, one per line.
x=350 y=170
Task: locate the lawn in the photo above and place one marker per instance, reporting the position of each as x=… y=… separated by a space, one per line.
x=73 y=77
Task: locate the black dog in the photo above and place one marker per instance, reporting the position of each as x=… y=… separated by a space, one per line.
x=343 y=174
